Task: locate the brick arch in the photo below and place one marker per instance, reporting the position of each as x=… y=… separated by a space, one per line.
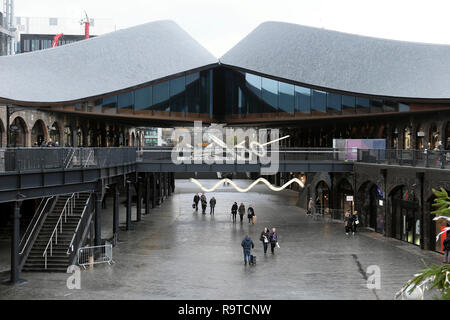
x=22 y=122
x=26 y=131
x=43 y=127
x=60 y=128
x=342 y=180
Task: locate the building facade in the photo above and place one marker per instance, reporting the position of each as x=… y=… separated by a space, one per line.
x=315 y=85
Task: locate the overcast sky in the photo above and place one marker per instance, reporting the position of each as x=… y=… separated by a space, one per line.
x=220 y=24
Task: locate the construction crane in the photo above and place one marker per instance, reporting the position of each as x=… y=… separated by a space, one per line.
x=84 y=21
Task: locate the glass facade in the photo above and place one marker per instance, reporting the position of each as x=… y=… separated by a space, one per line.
x=188 y=95
x=239 y=95
x=251 y=96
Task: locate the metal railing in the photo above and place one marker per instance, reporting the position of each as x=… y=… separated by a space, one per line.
x=334 y=214
x=95 y=255
x=416 y=158
x=34 y=222
x=77 y=235
x=27 y=159
x=66 y=211
x=24 y=159
x=165 y=154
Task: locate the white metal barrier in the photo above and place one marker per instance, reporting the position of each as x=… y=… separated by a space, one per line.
x=95 y=255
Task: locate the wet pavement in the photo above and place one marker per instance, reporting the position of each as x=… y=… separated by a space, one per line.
x=176 y=253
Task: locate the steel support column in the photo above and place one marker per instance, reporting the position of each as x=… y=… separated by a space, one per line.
x=98 y=218
x=116 y=213
x=169 y=184
x=15 y=239
x=138 y=201
x=147 y=194
x=160 y=196
x=128 y=223
x=153 y=178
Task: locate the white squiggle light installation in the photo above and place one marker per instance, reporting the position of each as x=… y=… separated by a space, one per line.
x=267 y=183
x=254 y=146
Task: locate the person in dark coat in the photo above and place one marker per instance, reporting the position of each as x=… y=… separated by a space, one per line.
x=446 y=244
x=212 y=204
x=250 y=214
x=196 y=200
x=204 y=203
x=234 y=210
x=273 y=238
x=241 y=211
x=247 y=245
x=355 y=221
x=265 y=236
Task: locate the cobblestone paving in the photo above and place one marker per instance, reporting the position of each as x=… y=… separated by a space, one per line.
x=175 y=253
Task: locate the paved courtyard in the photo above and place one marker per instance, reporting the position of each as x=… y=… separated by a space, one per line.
x=175 y=253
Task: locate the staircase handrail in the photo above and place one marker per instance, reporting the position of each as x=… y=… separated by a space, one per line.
x=41 y=211
x=89 y=157
x=69 y=157
x=67 y=210
x=87 y=204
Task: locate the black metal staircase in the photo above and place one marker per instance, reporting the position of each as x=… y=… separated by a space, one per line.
x=49 y=250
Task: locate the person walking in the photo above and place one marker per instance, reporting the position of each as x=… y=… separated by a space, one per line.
x=241 y=211
x=247 y=245
x=265 y=236
x=446 y=244
x=273 y=238
x=309 y=211
x=250 y=214
x=196 y=200
x=212 y=204
x=234 y=210
x=355 y=221
x=347 y=222
x=204 y=203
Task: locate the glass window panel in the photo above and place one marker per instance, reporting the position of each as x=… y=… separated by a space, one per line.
x=193 y=92
x=206 y=92
x=270 y=95
x=334 y=103
x=143 y=98
x=95 y=106
x=348 y=104
x=125 y=102
x=302 y=99
x=362 y=104
x=178 y=94
x=161 y=96
x=253 y=84
x=403 y=107
x=319 y=101
x=241 y=102
x=110 y=104
x=376 y=105
x=286 y=97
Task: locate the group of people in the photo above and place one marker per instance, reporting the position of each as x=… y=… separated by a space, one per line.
x=204 y=203
x=47 y=144
x=266 y=238
x=241 y=210
x=313 y=208
x=351 y=221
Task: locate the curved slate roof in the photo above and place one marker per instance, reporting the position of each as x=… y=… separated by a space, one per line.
x=100 y=65
x=345 y=62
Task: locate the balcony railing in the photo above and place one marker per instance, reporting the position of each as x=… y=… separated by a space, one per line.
x=29 y=159
x=415 y=158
